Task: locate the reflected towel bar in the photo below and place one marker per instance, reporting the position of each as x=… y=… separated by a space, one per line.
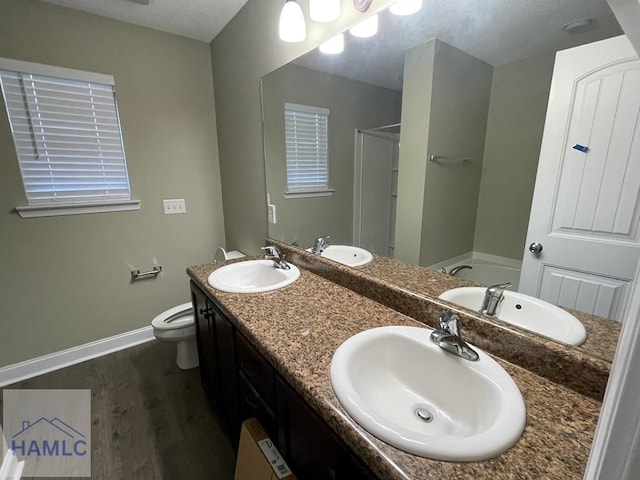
x=154 y=272
x=450 y=159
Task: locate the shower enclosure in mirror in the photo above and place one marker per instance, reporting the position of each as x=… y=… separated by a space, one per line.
x=469 y=87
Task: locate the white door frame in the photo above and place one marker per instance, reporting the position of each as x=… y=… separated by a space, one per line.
x=615 y=448
x=615 y=451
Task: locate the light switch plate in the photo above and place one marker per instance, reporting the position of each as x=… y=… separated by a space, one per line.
x=271 y=213
x=174 y=205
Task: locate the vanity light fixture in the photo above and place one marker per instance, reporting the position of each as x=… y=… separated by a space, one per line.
x=366 y=28
x=324 y=11
x=334 y=45
x=292 y=26
x=405 y=7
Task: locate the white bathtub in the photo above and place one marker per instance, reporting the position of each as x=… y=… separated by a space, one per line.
x=488 y=273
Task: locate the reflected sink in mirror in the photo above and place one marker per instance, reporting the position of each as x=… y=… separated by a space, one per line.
x=252 y=276
x=408 y=392
x=526 y=312
x=347 y=255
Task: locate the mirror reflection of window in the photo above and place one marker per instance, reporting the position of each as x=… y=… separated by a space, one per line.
x=307 y=143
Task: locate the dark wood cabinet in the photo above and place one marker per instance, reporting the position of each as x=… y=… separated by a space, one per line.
x=205 y=340
x=215 y=338
x=312 y=449
x=240 y=383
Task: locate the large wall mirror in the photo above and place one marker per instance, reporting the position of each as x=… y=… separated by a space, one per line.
x=434 y=133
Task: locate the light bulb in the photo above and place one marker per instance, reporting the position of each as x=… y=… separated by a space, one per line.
x=405 y=7
x=366 y=28
x=324 y=10
x=292 y=26
x=333 y=45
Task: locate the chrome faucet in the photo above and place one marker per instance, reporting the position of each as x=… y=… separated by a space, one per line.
x=455 y=270
x=493 y=297
x=449 y=337
x=272 y=253
x=320 y=244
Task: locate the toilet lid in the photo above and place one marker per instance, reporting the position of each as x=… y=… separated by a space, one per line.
x=177 y=317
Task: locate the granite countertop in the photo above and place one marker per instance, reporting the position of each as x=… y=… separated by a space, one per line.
x=298 y=328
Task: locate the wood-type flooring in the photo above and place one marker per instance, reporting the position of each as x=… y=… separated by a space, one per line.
x=150 y=420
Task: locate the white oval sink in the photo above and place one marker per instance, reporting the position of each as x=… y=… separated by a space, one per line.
x=347 y=255
x=383 y=376
x=526 y=312
x=252 y=276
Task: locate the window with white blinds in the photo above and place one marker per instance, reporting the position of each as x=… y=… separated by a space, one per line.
x=67 y=135
x=307 y=144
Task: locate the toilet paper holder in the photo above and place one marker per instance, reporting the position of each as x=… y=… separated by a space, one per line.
x=136 y=274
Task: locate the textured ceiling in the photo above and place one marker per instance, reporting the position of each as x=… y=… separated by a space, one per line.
x=495 y=31
x=197 y=19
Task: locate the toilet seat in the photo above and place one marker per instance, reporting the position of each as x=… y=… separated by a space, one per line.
x=180 y=316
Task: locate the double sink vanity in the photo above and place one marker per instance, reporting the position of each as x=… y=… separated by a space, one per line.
x=339 y=368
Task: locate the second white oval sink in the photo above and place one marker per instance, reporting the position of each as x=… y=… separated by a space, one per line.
x=526 y=312
x=408 y=392
x=252 y=276
x=347 y=255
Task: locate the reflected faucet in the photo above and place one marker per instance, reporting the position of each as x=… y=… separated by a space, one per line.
x=272 y=253
x=493 y=297
x=320 y=244
x=449 y=337
x=455 y=270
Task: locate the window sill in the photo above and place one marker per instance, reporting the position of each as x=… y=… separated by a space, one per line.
x=34 y=211
x=314 y=193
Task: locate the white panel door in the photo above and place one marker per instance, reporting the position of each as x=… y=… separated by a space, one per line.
x=585 y=207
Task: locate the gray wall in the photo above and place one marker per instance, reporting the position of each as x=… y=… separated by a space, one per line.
x=352 y=105
x=459 y=105
x=416 y=115
x=245 y=51
x=444 y=112
x=519 y=97
x=65 y=280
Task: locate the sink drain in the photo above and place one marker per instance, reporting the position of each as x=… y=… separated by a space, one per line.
x=423 y=414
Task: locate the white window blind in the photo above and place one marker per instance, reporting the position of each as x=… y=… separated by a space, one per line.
x=307 y=142
x=67 y=136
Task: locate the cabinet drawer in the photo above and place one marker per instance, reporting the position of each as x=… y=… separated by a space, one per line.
x=256 y=370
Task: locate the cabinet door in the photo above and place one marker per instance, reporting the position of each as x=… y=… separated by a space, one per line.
x=227 y=372
x=257 y=370
x=311 y=448
x=206 y=342
x=252 y=405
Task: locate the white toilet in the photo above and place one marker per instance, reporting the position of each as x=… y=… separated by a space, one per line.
x=178 y=325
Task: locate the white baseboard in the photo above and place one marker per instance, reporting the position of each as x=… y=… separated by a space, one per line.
x=64 y=358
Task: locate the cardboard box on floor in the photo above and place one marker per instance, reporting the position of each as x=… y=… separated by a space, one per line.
x=258 y=458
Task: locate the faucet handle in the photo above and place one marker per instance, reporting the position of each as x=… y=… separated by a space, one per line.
x=498 y=288
x=322 y=240
x=449 y=322
x=271 y=250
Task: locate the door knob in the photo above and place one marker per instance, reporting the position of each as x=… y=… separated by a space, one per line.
x=535 y=248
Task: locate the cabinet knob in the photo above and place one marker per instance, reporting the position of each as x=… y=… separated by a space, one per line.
x=206 y=313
